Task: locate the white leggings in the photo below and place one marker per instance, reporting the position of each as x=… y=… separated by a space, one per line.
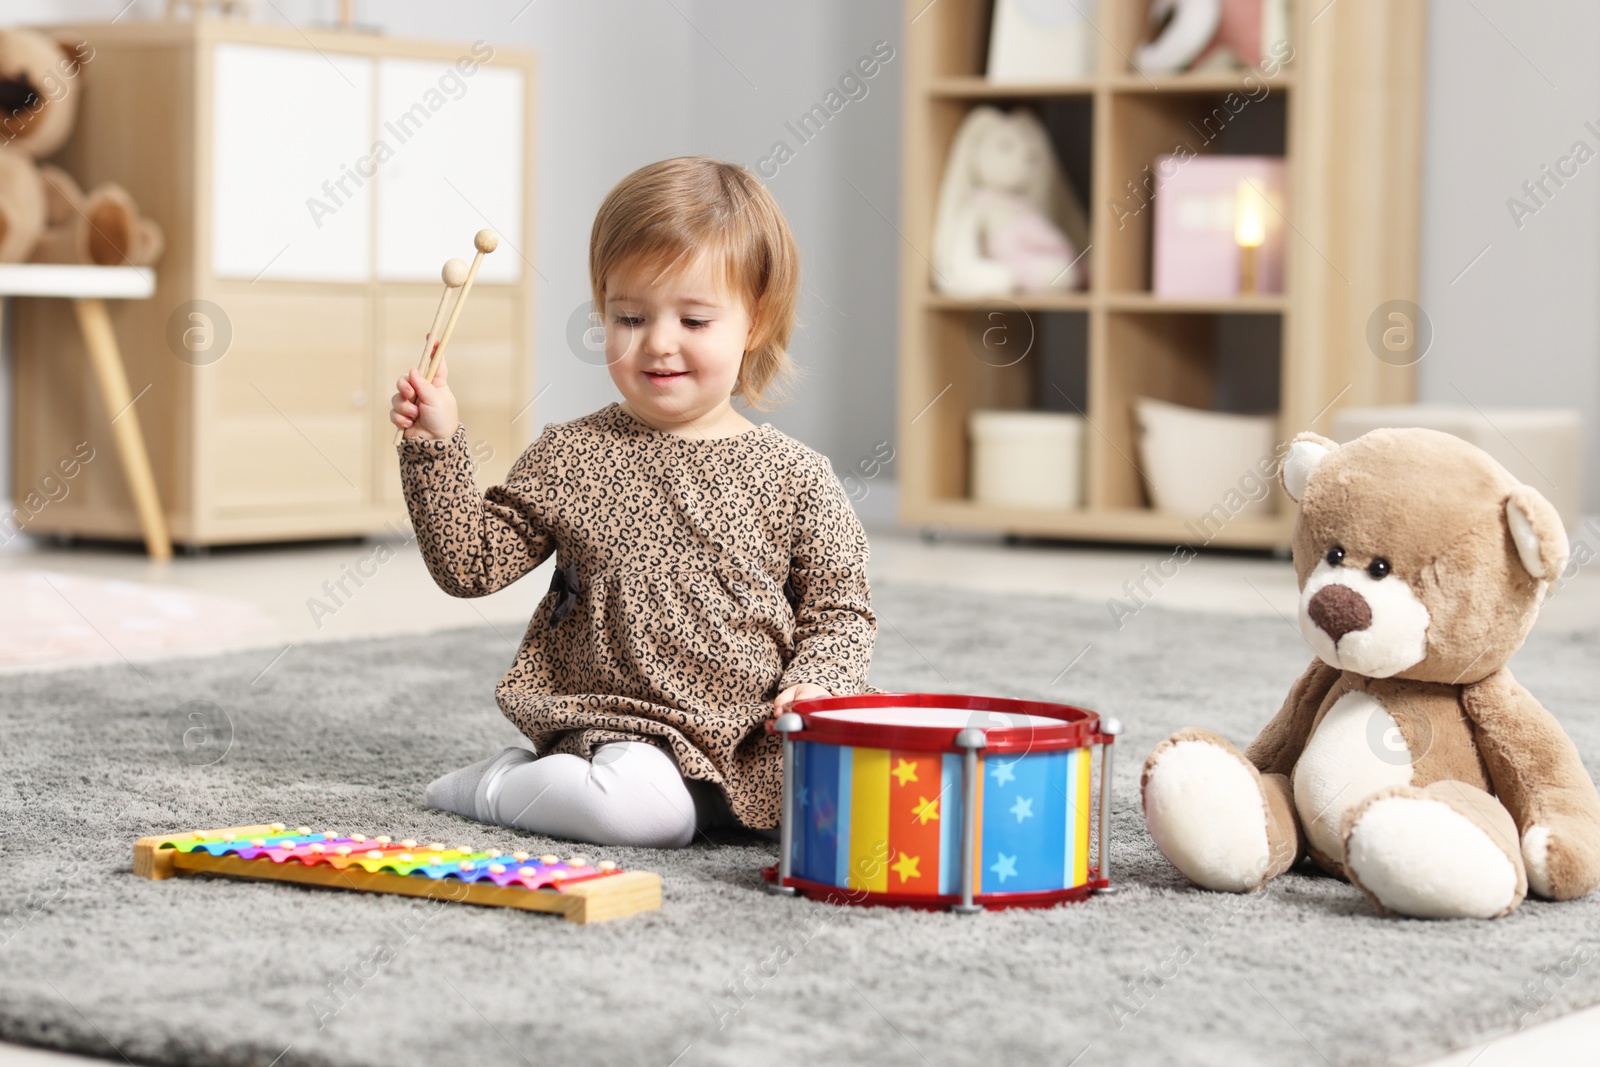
x=630 y=794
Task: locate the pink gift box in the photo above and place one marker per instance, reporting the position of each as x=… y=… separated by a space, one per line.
x=1194 y=252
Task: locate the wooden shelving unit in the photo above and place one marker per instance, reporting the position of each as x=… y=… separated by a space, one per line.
x=1346 y=111
x=282 y=433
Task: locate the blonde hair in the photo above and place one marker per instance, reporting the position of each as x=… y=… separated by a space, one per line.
x=669 y=212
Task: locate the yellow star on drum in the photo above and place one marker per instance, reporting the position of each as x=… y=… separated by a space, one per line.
x=925 y=810
x=906 y=867
x=905 y=770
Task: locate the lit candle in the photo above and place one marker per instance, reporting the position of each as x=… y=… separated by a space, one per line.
x=1249 y=230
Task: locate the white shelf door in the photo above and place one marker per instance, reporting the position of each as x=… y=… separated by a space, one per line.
x=453 y=166
x=291 y=196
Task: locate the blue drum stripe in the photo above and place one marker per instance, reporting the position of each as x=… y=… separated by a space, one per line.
x=819 y=800
x=1024 y=823
x=802 y=817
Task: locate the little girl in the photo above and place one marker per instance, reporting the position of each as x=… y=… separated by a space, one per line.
x=709 y=571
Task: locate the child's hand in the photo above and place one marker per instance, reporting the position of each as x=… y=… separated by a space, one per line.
x=424 y=409
x=803 y=691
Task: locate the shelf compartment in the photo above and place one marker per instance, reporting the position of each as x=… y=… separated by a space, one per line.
x=969 y=365
x=1123 y=26
x=1149 y=126
x=1069 y=124
x=988 y=359
x=1228 y=363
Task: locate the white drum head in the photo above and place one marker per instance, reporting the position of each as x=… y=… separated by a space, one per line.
x=952 y=718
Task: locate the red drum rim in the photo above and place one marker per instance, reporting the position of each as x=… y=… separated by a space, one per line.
x=1074 y=727
x=1043 y=898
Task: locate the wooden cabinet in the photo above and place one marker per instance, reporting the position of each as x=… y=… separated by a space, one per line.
x=311 y=187
x=1346 y=111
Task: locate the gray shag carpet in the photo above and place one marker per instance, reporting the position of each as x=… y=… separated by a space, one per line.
x=345 y=735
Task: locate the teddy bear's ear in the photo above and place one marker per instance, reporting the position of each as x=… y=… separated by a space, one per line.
x=1305 y=452
x=1537 y=532
x=75 y=52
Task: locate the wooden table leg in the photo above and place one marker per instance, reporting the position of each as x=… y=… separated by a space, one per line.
x=107 y=360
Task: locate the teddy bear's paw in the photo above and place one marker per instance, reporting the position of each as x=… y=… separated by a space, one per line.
x=1414 y=854
x=1536 y=855
x=1561 y=866
x=1203 y=805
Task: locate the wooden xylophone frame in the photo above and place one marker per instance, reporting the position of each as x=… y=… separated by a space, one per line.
x=585 y=901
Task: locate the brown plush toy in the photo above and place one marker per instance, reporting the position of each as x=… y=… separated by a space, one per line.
x=43 y=214
x=38 y=106
x=1406 y=758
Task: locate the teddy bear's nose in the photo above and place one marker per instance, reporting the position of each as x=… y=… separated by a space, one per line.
x=17 y=95
x=1339 y=610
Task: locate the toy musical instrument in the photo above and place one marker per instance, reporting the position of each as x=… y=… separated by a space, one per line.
x=573 y=887
x=941 y=801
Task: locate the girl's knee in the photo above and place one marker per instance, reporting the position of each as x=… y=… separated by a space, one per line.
x=640 y=797
x=629 y=795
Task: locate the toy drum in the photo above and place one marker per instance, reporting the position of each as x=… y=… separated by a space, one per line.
x=941 y=801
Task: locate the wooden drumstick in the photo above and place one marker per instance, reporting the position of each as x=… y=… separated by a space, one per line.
x=454 y=275
x=485 y=241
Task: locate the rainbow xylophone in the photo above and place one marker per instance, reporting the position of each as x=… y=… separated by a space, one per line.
x=573 y=887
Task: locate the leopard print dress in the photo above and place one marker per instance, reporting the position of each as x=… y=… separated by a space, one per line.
x=695 y=580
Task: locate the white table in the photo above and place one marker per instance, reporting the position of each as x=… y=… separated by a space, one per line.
x=89 y=288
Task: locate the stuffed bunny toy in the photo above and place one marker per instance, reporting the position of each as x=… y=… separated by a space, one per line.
x=1007 y=219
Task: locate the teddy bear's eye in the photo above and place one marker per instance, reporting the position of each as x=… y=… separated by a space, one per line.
x=1378 y=568
x=1335 y=556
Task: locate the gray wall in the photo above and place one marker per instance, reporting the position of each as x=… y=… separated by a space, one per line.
x=624 y=82
x=1510 y=85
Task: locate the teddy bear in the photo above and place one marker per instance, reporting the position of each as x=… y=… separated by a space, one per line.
x=44 y=216
x=1406 y=758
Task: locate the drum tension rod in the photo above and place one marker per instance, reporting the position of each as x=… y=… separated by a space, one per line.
x=788 y=723
x=970 y=739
